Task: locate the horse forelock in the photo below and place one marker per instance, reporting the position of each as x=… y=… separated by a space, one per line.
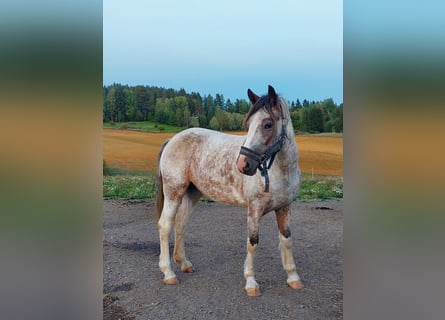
x=263 y=103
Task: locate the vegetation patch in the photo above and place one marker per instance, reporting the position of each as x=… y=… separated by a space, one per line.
x=321 y=188
x=144 y=187
x=146 y=126
x=125 y=104
x=129 y=187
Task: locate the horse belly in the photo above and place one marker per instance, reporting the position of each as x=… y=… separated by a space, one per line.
x=225 y=194
x=220 y=184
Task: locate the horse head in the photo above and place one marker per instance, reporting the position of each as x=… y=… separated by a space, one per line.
x=266 y=133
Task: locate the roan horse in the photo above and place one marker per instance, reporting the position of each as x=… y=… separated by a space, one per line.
x=223 y=167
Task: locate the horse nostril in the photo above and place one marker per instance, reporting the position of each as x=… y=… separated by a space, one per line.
x=247 y=166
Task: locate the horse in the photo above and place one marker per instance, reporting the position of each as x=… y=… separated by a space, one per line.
x=259 y=171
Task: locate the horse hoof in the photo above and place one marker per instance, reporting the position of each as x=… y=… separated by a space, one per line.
x=295 y=284
x=188 y=270
x=172 y=280
x=253 y=292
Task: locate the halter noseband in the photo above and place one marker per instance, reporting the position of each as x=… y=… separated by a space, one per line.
x=270 y=153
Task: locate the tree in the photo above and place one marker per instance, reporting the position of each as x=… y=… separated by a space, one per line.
x=144 y=102
x=230 y=106
x=328 y=104
x=336 y=122
x=312 y=119
x=120 y=103
x=209 y=107
x=296 y=120
x=180 y=104
x=241 y=106
x=203 y=122
x=194 y=122
x=214 y=124
x=220 y=115
x=131 y=110
x=195 y=104
x=107 y=107
x=298 y=104
x=163 y=112
x=238 y=121
x=186 y=117
x=219 y=101
x=179 y=115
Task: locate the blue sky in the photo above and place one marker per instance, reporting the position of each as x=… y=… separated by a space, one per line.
x=226 y=46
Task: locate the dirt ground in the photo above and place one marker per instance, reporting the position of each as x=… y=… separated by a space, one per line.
x=215 y=243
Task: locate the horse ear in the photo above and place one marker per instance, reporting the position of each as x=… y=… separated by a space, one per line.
x=252 y=96
x=273 y=97
x=272 y=94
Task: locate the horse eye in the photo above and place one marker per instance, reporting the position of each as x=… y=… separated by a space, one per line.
x=268 y=125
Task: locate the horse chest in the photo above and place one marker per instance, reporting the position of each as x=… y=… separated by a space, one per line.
x=284 y=187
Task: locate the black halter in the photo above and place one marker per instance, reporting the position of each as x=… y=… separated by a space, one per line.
x=270 y=153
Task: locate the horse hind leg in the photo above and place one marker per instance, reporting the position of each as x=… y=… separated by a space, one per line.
x=164 y=227
x=185 y=209
x=293 y=280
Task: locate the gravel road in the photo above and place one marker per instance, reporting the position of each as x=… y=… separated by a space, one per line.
x=215 y=243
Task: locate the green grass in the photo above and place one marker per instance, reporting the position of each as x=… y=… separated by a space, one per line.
x=129 y=187
x=143 y=186
x=146 y=126
x=318 y=188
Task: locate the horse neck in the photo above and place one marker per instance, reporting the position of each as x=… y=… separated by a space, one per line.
x=290 y=144
x=289 y=152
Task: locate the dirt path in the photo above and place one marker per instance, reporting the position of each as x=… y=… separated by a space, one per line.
x=215 y=244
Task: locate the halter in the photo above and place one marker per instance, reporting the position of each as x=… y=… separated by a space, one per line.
x=270 y=153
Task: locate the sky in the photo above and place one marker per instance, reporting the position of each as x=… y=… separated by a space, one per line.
x=226 y=46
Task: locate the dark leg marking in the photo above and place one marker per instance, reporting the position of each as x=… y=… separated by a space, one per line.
x=253 y=239
x=283 y=221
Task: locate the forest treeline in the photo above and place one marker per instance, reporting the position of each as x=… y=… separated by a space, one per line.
x=123 y=103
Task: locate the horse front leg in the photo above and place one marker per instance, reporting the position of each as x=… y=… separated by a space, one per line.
x=252 y=288
x=293 y=280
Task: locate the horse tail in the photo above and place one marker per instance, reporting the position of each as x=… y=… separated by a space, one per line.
x=159 y=184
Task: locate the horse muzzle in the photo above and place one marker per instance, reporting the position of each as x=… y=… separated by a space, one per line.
x=247 y=165
x=248 y=161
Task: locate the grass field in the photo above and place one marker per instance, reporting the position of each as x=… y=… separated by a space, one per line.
x=147 y=126
x=136 y=151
